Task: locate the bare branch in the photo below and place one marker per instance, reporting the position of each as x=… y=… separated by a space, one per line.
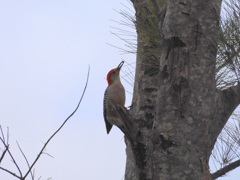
x=41 y=151
x=226 y=169
x=10 y=173
x=32 y=175
x=6 y=148
x=3 y=154
x=48 y=154
x=3 y=137
x=10 y=154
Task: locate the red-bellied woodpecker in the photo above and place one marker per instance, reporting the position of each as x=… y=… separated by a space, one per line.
x=114 y=97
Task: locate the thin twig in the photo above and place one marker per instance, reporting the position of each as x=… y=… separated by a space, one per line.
x=10 y=173
x=6 y=148
x=47 y=154
x=7 y=135
x=41 y=151
x=2 y=133
x=26 y=160
x=3 y=154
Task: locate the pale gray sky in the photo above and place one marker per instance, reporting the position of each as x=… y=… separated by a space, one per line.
x=45 y=49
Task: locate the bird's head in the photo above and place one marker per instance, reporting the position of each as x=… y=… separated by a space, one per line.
x=113 y=75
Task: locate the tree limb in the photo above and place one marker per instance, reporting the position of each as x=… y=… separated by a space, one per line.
x=231 y=96
x=225 y=169
x=227 y=101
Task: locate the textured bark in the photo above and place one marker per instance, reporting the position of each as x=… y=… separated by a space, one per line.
x=177 y=113
x=187 y=90
x=145 y=91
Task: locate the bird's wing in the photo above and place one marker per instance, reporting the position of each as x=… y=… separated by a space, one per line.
x=107 y=123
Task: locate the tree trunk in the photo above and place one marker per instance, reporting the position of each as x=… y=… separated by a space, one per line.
x=177 y=110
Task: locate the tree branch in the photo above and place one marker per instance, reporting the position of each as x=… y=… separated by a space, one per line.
x=225 y=169
x=3 y=154
x=14 y=162
x=32 y=175
x=6 y=145
x=10 y=173
x=6 y=148
x=231 y=97
x=41 y=151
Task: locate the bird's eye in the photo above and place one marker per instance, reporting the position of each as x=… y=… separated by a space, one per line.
x=114 y=72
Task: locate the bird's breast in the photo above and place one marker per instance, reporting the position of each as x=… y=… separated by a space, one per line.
x=117 y=94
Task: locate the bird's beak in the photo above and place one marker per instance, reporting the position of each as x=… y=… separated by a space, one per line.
x=120 y=65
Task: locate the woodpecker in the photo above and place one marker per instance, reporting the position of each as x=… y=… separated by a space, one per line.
x=114 y=97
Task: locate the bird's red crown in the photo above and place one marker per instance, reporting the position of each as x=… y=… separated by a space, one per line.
x=113 y=70
x=109 y=74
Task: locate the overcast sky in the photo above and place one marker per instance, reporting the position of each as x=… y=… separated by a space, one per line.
x=46 y=47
